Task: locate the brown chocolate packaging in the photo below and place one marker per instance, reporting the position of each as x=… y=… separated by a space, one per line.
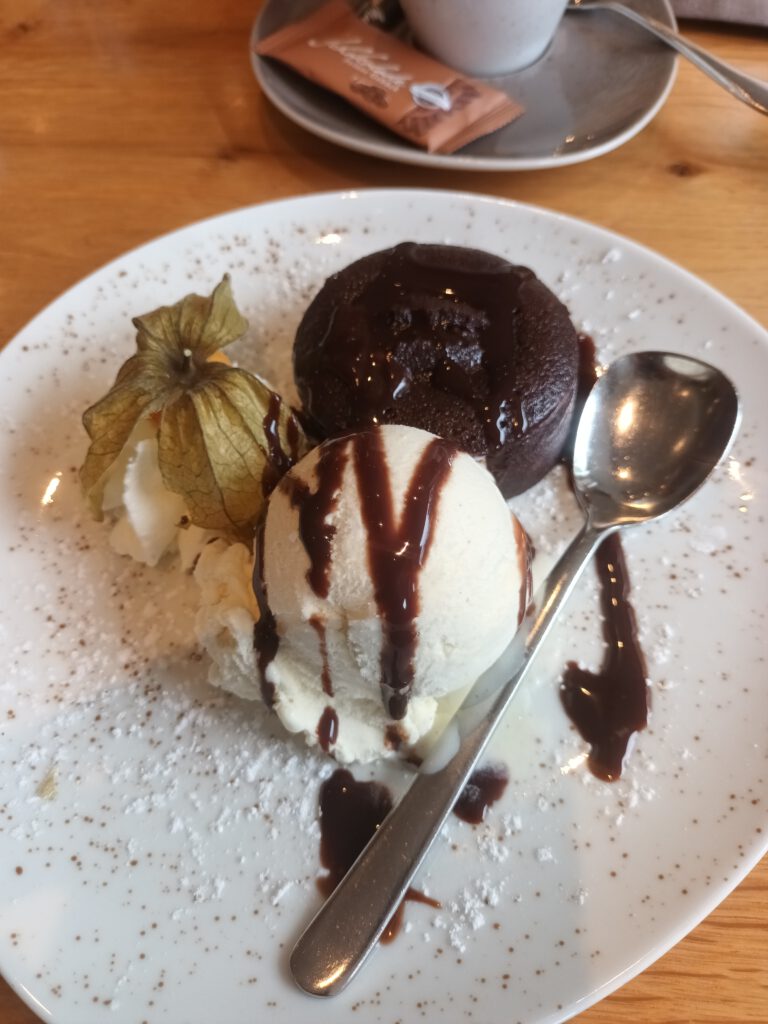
x=413 y=95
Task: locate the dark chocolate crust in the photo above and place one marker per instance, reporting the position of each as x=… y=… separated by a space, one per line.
x=455 y=341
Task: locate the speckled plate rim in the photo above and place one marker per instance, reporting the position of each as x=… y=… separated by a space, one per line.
x=607 y=235
x=401 y=152
x=755 y=848
x=686 y=926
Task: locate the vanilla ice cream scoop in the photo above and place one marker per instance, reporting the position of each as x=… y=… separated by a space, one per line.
x=390 y=574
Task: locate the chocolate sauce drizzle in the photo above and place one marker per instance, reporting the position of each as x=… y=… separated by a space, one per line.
x=265 y=638
x=315 y=507
x=393 y=736
x=350 y=813
x=279 y=461
x=318 y=624
x=397 y=551
x=484 y=787
x=292 y=435
x=395 y=922
x=525 y=555
x=610 y=706
x=316 y=533
x=328 y=728
x=271 y=423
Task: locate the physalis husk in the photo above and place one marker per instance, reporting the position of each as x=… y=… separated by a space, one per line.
x=224 y=438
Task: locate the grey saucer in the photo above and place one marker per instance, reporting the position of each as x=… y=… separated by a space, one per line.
x=598 y=85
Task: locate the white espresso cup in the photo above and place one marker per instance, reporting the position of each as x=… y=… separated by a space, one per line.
x=485 y=37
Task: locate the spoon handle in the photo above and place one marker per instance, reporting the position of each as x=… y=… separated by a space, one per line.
x=744 y=87
x=345 y=930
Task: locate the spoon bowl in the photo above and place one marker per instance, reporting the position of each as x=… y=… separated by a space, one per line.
x=653 y=428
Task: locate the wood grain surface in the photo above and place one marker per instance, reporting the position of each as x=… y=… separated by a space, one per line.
x=125 y=119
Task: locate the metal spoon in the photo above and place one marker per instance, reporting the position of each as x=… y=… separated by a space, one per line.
x=653 y=428
x=749 y=90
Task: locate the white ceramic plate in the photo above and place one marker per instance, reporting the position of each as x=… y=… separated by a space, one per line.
x=599 y=84
x=159 y=841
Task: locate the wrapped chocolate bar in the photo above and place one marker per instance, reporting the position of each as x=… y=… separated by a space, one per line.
x=413 y=95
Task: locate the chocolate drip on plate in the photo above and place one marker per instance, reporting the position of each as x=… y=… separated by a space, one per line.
x=484 y=787
x=395 y=923
x=609 y=706
x=397 y=551
x=350 y=813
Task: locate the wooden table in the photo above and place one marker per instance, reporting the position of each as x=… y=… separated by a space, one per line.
x=126 y=119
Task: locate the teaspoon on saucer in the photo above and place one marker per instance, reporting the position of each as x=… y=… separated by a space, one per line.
x=744 y=87
x=653 y=428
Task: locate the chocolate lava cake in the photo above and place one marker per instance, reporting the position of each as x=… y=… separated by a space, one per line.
x=453 y=340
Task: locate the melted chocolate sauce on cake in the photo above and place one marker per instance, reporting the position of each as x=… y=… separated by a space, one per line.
x=271 y=423
x=265 y=638
x=292 y=434
x=484 y=787
x=328 y=729
x=280 y=460
x=471 y=313
x=397 y=551
x=607 y=707
x=350 y=813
